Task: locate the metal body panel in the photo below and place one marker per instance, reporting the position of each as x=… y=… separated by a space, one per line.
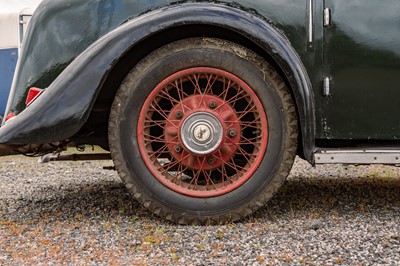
x=79 y=24
x=78 y=84
x=362 y=57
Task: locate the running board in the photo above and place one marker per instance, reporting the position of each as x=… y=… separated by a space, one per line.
x=353 y=156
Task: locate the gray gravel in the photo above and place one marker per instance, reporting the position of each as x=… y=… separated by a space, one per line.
x=78 y=213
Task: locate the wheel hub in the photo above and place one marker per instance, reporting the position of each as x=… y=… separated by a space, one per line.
x=201 y=133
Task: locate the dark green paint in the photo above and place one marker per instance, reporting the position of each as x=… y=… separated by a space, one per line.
x=61 y=111
x=362 y=55
x=62 y=29
x=360 y=51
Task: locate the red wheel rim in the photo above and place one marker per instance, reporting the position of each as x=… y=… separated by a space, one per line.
x=202 y=132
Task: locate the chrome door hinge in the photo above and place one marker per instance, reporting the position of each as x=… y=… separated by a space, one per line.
x=327 y=17
x=327 y=86
x=310 y=37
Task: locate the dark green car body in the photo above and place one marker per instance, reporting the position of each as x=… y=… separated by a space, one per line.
x=358 y=52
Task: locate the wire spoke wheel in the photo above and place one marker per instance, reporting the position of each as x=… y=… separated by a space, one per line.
x=202 y=132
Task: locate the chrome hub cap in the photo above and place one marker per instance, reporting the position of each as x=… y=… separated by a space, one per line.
x=202 y=133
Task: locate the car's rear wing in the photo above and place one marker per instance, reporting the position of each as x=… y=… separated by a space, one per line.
x=14 y=19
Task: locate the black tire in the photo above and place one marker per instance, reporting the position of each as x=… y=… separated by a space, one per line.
x=274 y=165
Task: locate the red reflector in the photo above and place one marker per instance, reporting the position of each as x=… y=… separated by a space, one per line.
x=9 y=116
x=32 y=95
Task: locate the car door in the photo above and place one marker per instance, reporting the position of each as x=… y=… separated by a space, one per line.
x=361 y=70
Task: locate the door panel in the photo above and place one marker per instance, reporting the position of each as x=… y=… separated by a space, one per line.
x=362 y=59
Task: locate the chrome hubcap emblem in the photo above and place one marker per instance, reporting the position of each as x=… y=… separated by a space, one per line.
x=202 y=133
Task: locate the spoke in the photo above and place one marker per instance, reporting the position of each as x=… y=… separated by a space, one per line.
x=172 y=100
x=160 y=151
x=232 y=101
x=244 y=125
x=180 y=172
x=159 y=110
x=162 y=113
x=196 y=175
x=173 y=164
x=231 y=163
x=169 y=166
x=181 y=93
x=195 y=83
x=199 y=171
x=245 y=154
x=225 y=95
x=245 y=112
x=252 y=141
x=225 y=173
x=154 y=138
x=222 y=170
x=179 y=86
x=201 y=161
x=175 y=140
x=208 y=87
x=208 y=178
x=225 y=91
x=197 y=88
x=252 y=124
x=185 y=106
x=238 y=96
x=209 y=84
x=160 y=123
x=219 y=157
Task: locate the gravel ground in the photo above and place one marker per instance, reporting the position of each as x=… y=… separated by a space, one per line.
x=78 y=213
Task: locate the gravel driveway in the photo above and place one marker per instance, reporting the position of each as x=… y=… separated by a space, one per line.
x=78 y=213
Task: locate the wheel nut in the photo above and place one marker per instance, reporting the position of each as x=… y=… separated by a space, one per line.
x=210 y=161
x=212 y=104
x=179 y=114
x=232 y=133
x=178 y=148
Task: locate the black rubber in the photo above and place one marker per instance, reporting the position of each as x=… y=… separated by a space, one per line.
x=252 y=69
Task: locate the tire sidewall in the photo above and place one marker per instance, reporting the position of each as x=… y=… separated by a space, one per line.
x=148 y=75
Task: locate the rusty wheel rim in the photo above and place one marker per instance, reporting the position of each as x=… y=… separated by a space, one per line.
x=202 y=132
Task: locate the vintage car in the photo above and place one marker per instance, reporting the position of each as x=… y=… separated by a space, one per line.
x=204 y=105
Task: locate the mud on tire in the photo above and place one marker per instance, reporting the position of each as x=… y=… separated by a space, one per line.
x=203 y=130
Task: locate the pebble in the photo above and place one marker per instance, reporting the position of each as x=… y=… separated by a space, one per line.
x=315 y=224
x=77 y=213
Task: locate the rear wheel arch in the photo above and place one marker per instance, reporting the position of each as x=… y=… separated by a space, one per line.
x=301 y=94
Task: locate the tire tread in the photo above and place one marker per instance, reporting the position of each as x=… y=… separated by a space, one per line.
x=289 y=150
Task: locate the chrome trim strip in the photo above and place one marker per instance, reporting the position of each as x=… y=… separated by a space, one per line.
x=310 y=21
x=357 y=156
